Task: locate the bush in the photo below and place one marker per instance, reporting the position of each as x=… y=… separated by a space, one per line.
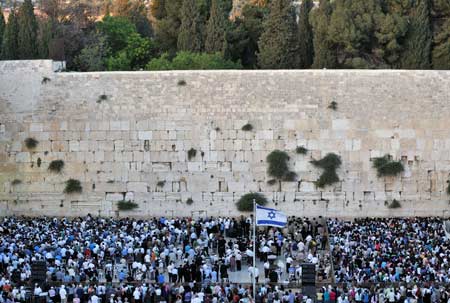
x=31 y=143
x=247 y=127
x=387 y=167
x=16 y=182
x=45 y=80
x=330 y=163
x=56 y=166
x=126 y=205
x=278 y=166
x=160 y=183
x=192 y=153
x=394 y=204
x=181 y=83
x=189 y=201
x=102 y=98
x=245 y=203
x=73 y=186
x=301 y=150
x=333 y=105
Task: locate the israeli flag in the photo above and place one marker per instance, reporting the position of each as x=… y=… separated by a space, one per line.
x=270 y=217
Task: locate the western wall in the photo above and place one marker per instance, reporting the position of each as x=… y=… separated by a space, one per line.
x=126 y=135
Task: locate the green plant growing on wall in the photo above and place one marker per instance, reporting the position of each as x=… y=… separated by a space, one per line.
x=102 y=98
x=272 y=181
x=333 y=105
x=192 y=153
x=247 y=127
x=278 y=166
x=56 y=166
x=16 y=182
x=126 y=205
x=245 y=203
x=394 y=204
x=301 y=150
x=73 y=186
x=181 y=83
x=330 y=163
x=160 y=183
x=189 y=201
x=385 y=166
x=31 y=143
x=39 y=162
x=45 y=80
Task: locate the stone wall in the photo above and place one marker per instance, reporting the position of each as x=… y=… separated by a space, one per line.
x=123 y=145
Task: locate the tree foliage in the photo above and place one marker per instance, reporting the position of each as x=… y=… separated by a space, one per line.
x=306 y=48
x=217 y=27
x=190 y=36
x=27 y=37
x=10 y=42
x=188 y=61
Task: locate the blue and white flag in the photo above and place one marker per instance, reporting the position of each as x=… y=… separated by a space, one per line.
x=270 y=217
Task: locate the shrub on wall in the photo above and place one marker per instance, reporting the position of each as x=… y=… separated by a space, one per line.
x=330 y=163
x=31 y=143
x=385 y=166
x=56 y=166
x=160 y=183
x=394 y=204
x=73 y=186
x=126 y=205
x=245 y=203
x=247 y=127
x=192 y=153
x=301 y=150
x=278 y=164
x=189 y=201
x=16 y=182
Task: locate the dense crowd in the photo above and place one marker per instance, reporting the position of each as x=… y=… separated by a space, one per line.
x=410 y=250
x=165 y=252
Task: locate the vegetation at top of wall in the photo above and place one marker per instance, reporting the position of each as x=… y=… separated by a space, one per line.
x=56 y=166
x=385 y=166
x=247 y=127
x=245 y=203
x=267 y=35
x=189 y=201
x=192 y=153
x=73 y=186
x=31 y=143
x=394 y=204
x=16 y=182
x=301 y=150
x=330 y=163
x=126 y=205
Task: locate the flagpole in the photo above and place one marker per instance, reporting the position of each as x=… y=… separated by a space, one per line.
x=254 y=250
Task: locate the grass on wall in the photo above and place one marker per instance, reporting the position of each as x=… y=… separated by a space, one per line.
x=247 y=127
x=191 y=153
x=126 y=205
x=245 y=203
x=394 y=204
x=385 y=166
x=56 y=166
x=73 y=186
x=31 y=143
x=330 y=163
x=189 y=201
x=301 y=150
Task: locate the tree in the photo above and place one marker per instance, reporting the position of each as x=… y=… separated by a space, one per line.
x=278 y=44
x=217 y=27
x=135 y=56
x=158 y=9
x=190 y=36
x=441 y=51
x=121 y=8
x=242 y=39
x=27 y=37
x=167 y=28
x=2 y=26
x=306 y=47
x=324 y=55
x=10 y=42
x=417 y=54
x=93 y=56
x=117 y=30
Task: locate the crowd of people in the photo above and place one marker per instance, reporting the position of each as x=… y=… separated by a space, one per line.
x=390 y=250
x=161 y=257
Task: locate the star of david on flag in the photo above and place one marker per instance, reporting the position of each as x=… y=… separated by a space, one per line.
x=270 y=217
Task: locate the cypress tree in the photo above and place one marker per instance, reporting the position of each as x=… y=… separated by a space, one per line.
x=2 y=26
x=324 y=55
x=278 y=44
x=441 y=50
x=190 y=36
x=27 y=38
x=417 y=54
x=306 y=47
x=10 y=43
x=217 y=27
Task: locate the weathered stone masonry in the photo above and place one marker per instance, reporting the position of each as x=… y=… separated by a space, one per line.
x=124 y=145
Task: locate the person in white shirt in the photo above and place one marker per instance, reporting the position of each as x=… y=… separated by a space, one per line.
x=63 y=294
x=94 y=299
